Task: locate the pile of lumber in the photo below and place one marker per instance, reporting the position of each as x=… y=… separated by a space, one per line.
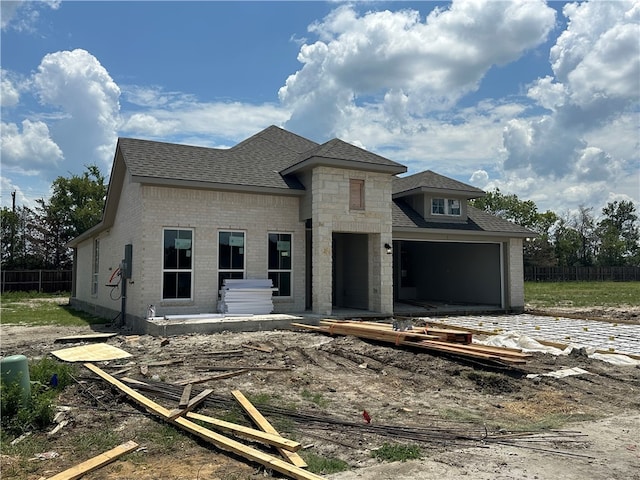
x=246 y=296
x=449 y=341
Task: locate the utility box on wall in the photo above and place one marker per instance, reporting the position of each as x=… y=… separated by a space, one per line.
x=127 y=262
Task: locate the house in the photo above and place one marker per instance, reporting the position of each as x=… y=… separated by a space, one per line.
x=332 y=225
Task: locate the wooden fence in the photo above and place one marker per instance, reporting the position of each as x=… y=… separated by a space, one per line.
x=42 y=281
x=581 y=274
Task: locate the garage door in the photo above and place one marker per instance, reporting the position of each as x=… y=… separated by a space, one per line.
x=450 y=272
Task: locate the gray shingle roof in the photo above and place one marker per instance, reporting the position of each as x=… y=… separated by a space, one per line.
x=429 y=180
x=337 y=149
x=478 y=221
x=260 y=161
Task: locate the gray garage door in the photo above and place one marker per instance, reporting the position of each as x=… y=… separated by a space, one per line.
x=450 y=272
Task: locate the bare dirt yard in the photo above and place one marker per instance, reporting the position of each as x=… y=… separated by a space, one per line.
x=466 y=419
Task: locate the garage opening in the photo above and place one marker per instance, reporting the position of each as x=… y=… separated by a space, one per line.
x=448 y=272
x=350 y=287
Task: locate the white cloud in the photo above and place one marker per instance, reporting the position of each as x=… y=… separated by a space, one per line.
x=420 y=66
x=596 y=62
x=88 y=99
x=22 y=16
x=9 y=92
x=171 y=115
x=30 y=149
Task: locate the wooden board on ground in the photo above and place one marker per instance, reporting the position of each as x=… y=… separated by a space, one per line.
x=93 y=337
x=99 y=352
x=220 y=441
x=265 y=426
x=96 y=462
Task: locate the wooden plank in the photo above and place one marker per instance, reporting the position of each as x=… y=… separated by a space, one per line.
x=265 y=426
x=193 y=403
x=93 y=337
x=163 y=363
x=260 y=348
x=220 y=441
x=96 y=462
x=186 y=394
x=218 y=376
x=252 y=433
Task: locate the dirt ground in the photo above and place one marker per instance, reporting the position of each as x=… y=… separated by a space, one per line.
x=462 y=415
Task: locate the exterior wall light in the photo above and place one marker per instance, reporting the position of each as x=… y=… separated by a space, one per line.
x=388 y=248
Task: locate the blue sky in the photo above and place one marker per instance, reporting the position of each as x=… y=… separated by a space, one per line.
x=536 y=98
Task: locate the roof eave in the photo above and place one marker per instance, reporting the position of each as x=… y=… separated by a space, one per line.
x=342 y=163
x=471 y=233
x=200 y=185
x=468 y=194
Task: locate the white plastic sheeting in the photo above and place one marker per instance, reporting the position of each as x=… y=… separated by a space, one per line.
x=528 y=345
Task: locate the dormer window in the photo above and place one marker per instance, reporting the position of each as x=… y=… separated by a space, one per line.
x=445 y=206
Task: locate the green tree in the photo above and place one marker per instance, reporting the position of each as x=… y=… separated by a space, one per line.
x=619 y=235
x=75 y=206
x=538 y=250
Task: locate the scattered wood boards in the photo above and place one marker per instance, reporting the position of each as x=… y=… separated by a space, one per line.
x=432 y=339
x=95 y=462
x=220 y=441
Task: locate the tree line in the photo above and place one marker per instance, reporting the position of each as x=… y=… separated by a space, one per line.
x=35 y=238
x=575 y=239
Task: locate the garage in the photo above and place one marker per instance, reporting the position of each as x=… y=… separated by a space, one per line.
x=459 y=273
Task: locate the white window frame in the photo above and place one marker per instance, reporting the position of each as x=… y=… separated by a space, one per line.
x=178 y=270
x=447 y=206
x=279 y=270
x=95 y=267
x=243 y=271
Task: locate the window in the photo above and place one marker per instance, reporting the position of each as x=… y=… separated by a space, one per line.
x=437 y=206
x=356 y=194
x=177 y=265
x=279 y=270
x=445 y=206
x=96 y=266
x=231 y=252
x=453 y=207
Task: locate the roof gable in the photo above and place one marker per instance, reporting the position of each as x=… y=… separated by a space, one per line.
x=339 y=153
x=405 y=217
x=429 y=181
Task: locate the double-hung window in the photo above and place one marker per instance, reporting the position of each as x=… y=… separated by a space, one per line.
x=445 y=206
x=279 y=270
x=96 y=266
x=231 y=256
x=177 y=264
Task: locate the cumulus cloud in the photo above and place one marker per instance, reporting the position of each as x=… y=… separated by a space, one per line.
x=417 y=66
x=29 y=149
x=596 y=65
x=9 y=92
x=171 y=115
x=22 y=16
x=88 y=101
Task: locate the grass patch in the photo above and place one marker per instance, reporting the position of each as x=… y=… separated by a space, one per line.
x=19 y=415
x=32 y=308
x=581 y=294
x=164 y=437
x=322 y=465
x=552 y=421
x=396 y=452
x=314 y=397
x=460 y=415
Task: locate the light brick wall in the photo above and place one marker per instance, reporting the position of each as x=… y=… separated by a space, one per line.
x=126 y=230
x=516 y=275
x=331 y=213
x=208 y=212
